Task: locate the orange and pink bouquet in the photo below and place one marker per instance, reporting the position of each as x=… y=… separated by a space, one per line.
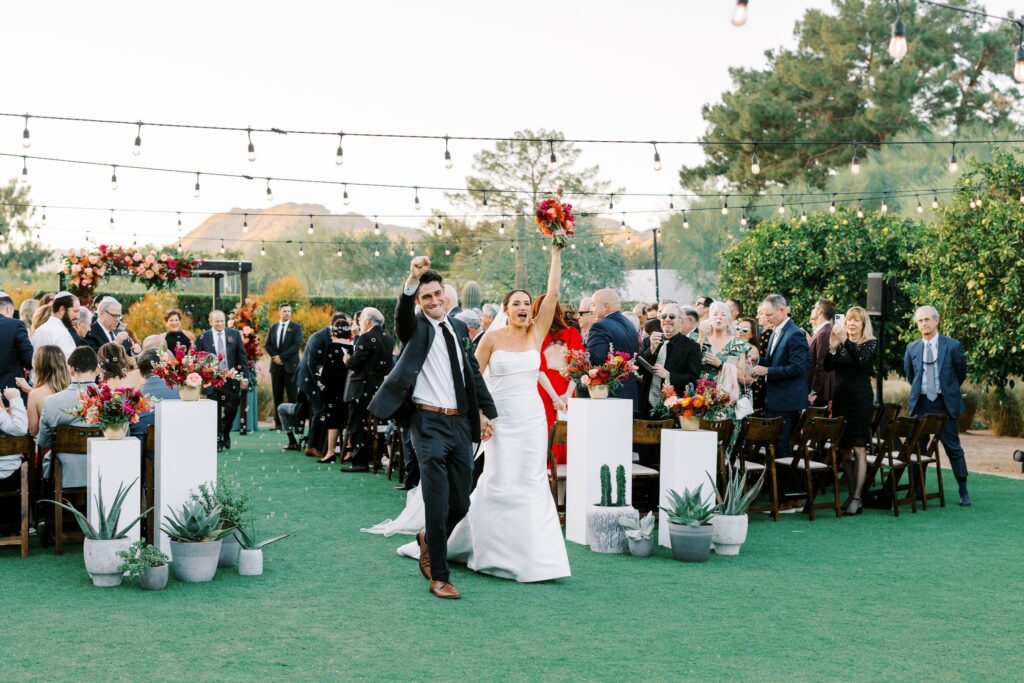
x=703 y=401
x=193 y=368
x=555 y=219
x=106 y=407
x=615 y=370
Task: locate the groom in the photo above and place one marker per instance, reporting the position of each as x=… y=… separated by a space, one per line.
x=436 y=390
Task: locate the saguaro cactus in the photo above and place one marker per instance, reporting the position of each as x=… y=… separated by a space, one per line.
x=620 y=484
x=472 y=297
x=606 y=486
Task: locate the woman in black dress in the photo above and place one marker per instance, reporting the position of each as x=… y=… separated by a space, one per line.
x=333 y=375
x=853 y=350
x=175 y=335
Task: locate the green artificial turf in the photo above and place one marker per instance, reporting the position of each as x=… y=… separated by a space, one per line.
x=931 y=596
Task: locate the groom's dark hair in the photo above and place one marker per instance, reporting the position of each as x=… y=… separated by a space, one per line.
x=430 y=276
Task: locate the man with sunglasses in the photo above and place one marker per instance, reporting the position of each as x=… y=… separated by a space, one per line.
x=674 y=356
x=586 y=316
x=104 y=328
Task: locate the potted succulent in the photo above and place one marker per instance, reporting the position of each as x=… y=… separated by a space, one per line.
x=146 y=563
x=103 y=543
x=688 y=525
x=234 y=506
x=195 y=541
x=191 y=371
x=250 y=557
x=730 y=521
x=111 y=409
x=604 y=533
x=639 y=535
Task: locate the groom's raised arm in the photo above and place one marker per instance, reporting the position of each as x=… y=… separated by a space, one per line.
x=405 y=312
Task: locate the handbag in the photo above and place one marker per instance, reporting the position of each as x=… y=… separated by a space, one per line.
x=745 y=405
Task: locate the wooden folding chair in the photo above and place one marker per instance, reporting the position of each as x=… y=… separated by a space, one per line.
x=899 y=439
x=724 y=430
x=927 y=453
x=23 y=446
x=881 y=416
x=816 y=455
x=647 y=433
x=69 y=440
x=149 y=485
x=757 y=439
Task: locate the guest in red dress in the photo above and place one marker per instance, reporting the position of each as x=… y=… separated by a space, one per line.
x=555 y=390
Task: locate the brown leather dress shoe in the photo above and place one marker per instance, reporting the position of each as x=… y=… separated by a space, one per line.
x=444 y=590
x=421 y=539
x=314 y=453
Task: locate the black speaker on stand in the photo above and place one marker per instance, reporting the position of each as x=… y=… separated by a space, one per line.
x=881 y=303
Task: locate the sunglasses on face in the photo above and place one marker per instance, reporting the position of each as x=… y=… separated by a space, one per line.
x=585 y=312
x=743 y=329
x=667 y=316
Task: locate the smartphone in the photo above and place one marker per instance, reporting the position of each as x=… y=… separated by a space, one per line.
x=840 y=320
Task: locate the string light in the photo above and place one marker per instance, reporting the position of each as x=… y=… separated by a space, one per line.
x=222 y=249
x=572 y=245
x=376 y=226
x=725 y=206
x=611 y=202
x=971 y=202
x=302 y=252
x=447 y=251
x=447 y=154
x=935 y=201
x=782 y=207
x=743 y=220
x=686 y=222
x=245 y=223
x=552 y=160
x=180 y=248
x=501 y=228
x=179 y=221
x=479 y=249
x=440 y=229
x=113 y=178
x=671 y=203
x=977 y=200
x=832 y=206
x=855 y=164
x=270 y=194
x=252 y=147
x=860 y=211
x=412 y=252
x=195 y=190
x=344 y=196
x=953 y=166
x=898 y=37
x=739 y=15
x=755 y=163
x=309 y=230
x=920 y=208
x=485 y=197
x=657 y=157
x=137 y=146
x=623 y=226
x=24 y=169
x=263 y=249
x=111 y=218
x=339 y=252
x=601 y=243
x=26 y=138
x=339 y=156
x=885 y=206
x=803 y=214
x=42 y=221
x=416 y=201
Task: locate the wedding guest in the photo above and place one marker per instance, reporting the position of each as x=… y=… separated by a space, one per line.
x=720 y=347
x=332 y=381
x=152 y=386
x=117 y=369
x=13 y=419
x=587 y=318
x=820 y=380
x=472 y=320
x=451 y=296
x=15 y=348
x=675 y=357
x=82 y=325
x=292 y=417
x=41 y=315
x=640 y=314
x=175 y=336
x=226 y=343
x=852 y=351
x=735 y=308
x=56 y=331
x=307 y=379
x=688 y=323
x=556 y=390
x=784 y=367
x=107 y=327
x=612 y=329
x=935 y=366
x=650 y=327
x=702 y=305
x=284 y=341
x=27 y=311
x=50 y=371
x=84 y=367
x=371 y=361
x=487 y=315
x=749 y=331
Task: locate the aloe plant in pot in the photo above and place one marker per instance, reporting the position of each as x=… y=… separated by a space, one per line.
x=688 y=525
x=250 y=556
x=730 y=521
x=639 y=535
x=195 y=537
x=604 y=533
x=103 y=543
x=234 y=505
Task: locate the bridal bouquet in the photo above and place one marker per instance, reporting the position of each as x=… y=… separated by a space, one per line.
x=193 y=369
x=106 y=407
x=705 y=400
x=555 y=219
x=615 y=370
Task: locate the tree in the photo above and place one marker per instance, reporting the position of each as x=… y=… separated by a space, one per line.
x=840 y=85
x=17 y=250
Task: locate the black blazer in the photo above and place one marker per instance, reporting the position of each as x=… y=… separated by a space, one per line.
x=682 y=360
x=370 y=362
x=786 y=385
x=289 y=349
x=306 y=379
x=234 y=348
x=97 y=337
x=394 y=398
x=615 y=330
x=15 y=351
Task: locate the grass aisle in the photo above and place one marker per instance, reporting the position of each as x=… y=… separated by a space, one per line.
x=935 y=595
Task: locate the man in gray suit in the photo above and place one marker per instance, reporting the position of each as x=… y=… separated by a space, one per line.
x=84 y=366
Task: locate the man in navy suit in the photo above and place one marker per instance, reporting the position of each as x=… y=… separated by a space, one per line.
x=935 y=366
x=106 y=328
x=784 y=366
x=613 y=329
x=227 y=342
x=15 y=347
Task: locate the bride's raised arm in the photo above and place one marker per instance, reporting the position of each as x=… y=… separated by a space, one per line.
x=546 y=313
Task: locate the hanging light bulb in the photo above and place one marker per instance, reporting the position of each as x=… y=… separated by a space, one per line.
x=920 y=208
x=686 y=222
x=657 y=157
x=971 y=203
x=512 y=248
x=977 y=200
x=416 y=200
x=671 y=203
x=344 y=196
x=447 y=154
x=338 y=254
x=195 y=190
x=252 y=147
x=739 y=15
x=180 y=248
x=339 y=156
x=743 y=220
x=953 y=166
x=111 y=218
x=885 y=206
x=855 y=164
x=898 y=38
x=552 y=160
x=623 y=226
x=26 y=139
x=755 y=163
x=440 y=229
x=412 y=252
x=137 y=147
x=611 y=202
x=179 y=221
x=24 y=169
x=245 y=223
x=601 y=243
x=222 y=250
x=263 y=249
x=376 y=226
x=485 y=198
x=725 y=206
x=270 y=194
x=572 y=245
x=309 y=230
x=1018 y=67
x=42 y=221
x=803 y=215
x=629 y=239
x=113 y=178
x=447 y=251
x=935 y=200
x=302 y=251
x=501 y=228
x=543 y=247
x=832 y=206
x=782 y=207
x=860 y=211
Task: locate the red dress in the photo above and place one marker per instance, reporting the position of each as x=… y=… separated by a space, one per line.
x=568 y=338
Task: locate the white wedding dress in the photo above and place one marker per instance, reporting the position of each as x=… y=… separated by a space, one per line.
x=512 y=529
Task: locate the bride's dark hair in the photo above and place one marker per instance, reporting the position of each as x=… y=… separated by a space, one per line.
x=504 y=303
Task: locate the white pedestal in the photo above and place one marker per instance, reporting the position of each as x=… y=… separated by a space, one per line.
x=186 y=456
x=600 y=433
x=117 y=463
x=687 y=458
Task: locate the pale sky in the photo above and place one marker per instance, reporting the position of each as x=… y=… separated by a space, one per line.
x=594 y=69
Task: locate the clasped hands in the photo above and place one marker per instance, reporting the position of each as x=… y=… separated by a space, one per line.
x=486 y=427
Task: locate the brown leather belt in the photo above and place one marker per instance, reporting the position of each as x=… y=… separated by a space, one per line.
x=435 y=409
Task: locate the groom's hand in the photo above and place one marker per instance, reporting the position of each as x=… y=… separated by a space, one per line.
x=486 y=428
x=418 y=266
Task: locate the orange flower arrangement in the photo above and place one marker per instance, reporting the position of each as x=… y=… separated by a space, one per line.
x=704 y=400
x=555 y=219
x=85 y=270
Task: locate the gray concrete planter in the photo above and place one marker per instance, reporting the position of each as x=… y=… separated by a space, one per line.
x=102 y=562
x=642 y=548
x=730 y=532
x=690 y=543
x=154 y=578
x=604 y=533
x=228 y=550
x=250 y=562
x=195 y=562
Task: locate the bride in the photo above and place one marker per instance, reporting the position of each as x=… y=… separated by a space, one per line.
x=512 y=529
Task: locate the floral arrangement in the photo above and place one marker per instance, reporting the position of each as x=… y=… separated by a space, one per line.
x=246 y=319
x=615 y=370
x=193 y=368
x=106 y=407
x=555 y=219
x=85 y=270
x=705 y=400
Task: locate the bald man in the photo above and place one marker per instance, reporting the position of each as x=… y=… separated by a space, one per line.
x=226 y=343
x=612 y=329
x=586 y=316
x=451 y=303
x=370 y=362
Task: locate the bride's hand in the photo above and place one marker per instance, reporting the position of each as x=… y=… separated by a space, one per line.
x=486 y=428
x=559 y=404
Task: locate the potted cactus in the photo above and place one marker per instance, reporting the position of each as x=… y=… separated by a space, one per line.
x=604 y=533
x=639 y=535
x=146 y=563
x=730 y=521
x=103 y=544
x=250 y=556
x=688 y=525
x=195 y=541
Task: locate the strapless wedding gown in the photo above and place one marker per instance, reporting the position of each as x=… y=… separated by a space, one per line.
x=512 y=529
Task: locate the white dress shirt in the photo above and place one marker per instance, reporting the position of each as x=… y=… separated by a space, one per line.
x=434 y=385
x=53 y=333
x=654 y=395
x=776 y=334
x=934 y=344
x=282 y=329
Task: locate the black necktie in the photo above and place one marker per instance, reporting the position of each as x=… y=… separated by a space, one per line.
x=453 y=359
